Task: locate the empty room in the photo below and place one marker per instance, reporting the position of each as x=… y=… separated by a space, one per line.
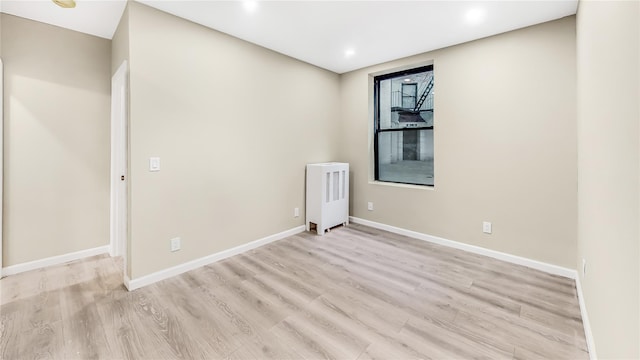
x=319 y=179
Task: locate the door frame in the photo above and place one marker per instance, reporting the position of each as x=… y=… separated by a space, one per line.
x=119 y=164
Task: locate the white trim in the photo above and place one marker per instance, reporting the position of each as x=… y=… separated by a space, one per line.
x=142 y=281
x=591 y=346
x=118 y=194
x=534 y=264
x=54 y=260
x=401 y=185
x=127 y=282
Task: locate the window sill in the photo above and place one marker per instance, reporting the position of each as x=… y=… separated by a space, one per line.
x=405 y=186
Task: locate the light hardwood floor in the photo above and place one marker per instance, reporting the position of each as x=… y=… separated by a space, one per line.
x=355 y=293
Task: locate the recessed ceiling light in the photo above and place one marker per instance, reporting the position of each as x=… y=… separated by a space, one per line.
x=67 y=4
x=250 y=6
x=349 y=53
x=407 y=80
x=475 y=16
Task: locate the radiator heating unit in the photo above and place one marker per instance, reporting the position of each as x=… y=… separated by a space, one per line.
x=327 y=196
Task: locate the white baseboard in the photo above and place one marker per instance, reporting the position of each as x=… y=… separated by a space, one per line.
x=54 y=260
x=585 y=321
x=142 y=281
x=127 y=282
x=534 y=264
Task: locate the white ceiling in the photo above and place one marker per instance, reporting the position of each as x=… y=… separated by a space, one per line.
x=336 y=35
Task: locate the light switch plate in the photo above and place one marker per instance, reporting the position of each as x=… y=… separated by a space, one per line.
x=154 y=164
x=486 y=227
x=175 y=244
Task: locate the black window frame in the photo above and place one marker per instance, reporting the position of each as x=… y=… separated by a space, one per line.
x=376 y=117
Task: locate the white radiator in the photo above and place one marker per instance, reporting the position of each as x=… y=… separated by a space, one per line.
x=327 y=196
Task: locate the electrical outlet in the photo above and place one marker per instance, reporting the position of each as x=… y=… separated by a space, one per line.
x=370 y=206
x=584 y=267
x=175 y=244
x=296 y=212
x=486 y=227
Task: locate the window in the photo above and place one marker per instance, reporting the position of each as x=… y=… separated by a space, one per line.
x=409 y=92
x=403 y=126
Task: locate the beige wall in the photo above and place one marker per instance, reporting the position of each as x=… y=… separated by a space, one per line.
x=234 y=125
x=608 y=151
x=0 y=30
x=57 y=100
x=505 y=145
x=120 y=42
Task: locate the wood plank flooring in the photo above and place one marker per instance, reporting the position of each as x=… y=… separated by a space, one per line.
x=355 y=293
